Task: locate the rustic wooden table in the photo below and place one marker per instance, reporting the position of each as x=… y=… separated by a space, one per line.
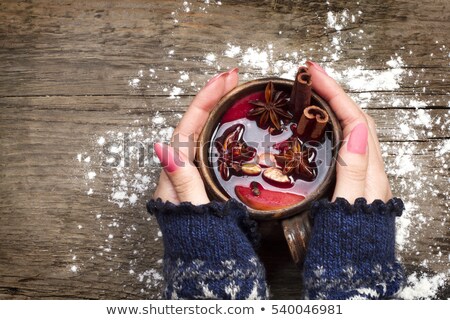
x=81 y=76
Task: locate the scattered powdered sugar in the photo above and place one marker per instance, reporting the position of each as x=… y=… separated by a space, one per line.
x=340 y=20
x=443 y=148
x=210 y=58
x=175 y=92
x=150 y=278
x=232 y=51
x=134 y=82
x=257 y=58
x=403 y=162
x=127 y=157
x=359 y=79
x=158 y=119
x=422 y=286
x=101 y=141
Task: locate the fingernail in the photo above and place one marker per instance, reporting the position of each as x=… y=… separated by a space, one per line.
x=166 y=155
x=213 y=79
x=316 y=66
x=357 y=142
x=234 y=70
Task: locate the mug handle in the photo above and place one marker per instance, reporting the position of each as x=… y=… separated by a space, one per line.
x=297 y=230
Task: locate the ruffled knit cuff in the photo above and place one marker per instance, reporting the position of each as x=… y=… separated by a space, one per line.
x=351 y=253
x=394 y=206
x=208 y=251
x=173 y=219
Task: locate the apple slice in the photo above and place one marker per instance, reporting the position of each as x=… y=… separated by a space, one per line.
x=238 y=111
x=241 y=108
x=261 y=199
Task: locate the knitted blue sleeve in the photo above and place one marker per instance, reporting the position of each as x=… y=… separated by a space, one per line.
x=351 y=253
x=208 y=251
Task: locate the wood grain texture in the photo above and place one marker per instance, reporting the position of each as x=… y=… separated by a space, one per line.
x=65 y=79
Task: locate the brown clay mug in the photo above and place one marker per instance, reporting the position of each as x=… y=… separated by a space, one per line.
x=294 y=218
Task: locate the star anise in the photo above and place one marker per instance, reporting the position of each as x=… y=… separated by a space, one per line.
x=272 y=110
x=299 y=159
x=233 y=151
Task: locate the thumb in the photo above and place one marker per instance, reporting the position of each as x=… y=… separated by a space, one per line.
x=351 y=167
x=183 y=175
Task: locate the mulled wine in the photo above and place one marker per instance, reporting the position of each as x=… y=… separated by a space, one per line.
x=273 y=148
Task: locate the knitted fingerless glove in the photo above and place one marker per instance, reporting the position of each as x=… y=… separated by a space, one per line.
x=351 y=253
x=208 y=251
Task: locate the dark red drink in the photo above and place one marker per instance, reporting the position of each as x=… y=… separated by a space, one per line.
x=260 y=156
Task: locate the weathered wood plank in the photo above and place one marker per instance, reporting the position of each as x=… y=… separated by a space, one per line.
x=74 y=49
x=114 y=113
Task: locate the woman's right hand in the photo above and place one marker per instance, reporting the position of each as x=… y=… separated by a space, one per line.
x=359 y=168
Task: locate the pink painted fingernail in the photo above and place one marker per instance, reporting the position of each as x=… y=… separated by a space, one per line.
x=316 y=66
x=234 y=70
x=357 y=142
x=213 y=79
x=166 y=155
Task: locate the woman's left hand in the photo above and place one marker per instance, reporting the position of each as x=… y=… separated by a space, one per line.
x=180 y=181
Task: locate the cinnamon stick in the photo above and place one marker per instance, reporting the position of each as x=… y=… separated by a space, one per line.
x=301 y=92
x=312 y=123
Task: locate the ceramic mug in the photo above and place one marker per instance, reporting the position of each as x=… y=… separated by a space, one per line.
x=294 y=219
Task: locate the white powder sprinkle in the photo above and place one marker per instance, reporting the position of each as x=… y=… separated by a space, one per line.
x=395 y=62
x=359 y=79
x=184 y=76
x=129 y=183
x=101 y=141
x=158 y=118
x=175 y=92
x=422 y=287
x=134 y=83
x=423 y=118
x=443 y=148
x=150 y=277
x=74 y=268
x=210 y=57
x=338 y=20
x=403 y=162
x=404 y=128
x=132 y=199
x=119 y=195
x=232 y=51
x=256 y=58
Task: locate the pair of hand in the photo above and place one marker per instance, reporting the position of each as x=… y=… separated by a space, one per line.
x=360 y=174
